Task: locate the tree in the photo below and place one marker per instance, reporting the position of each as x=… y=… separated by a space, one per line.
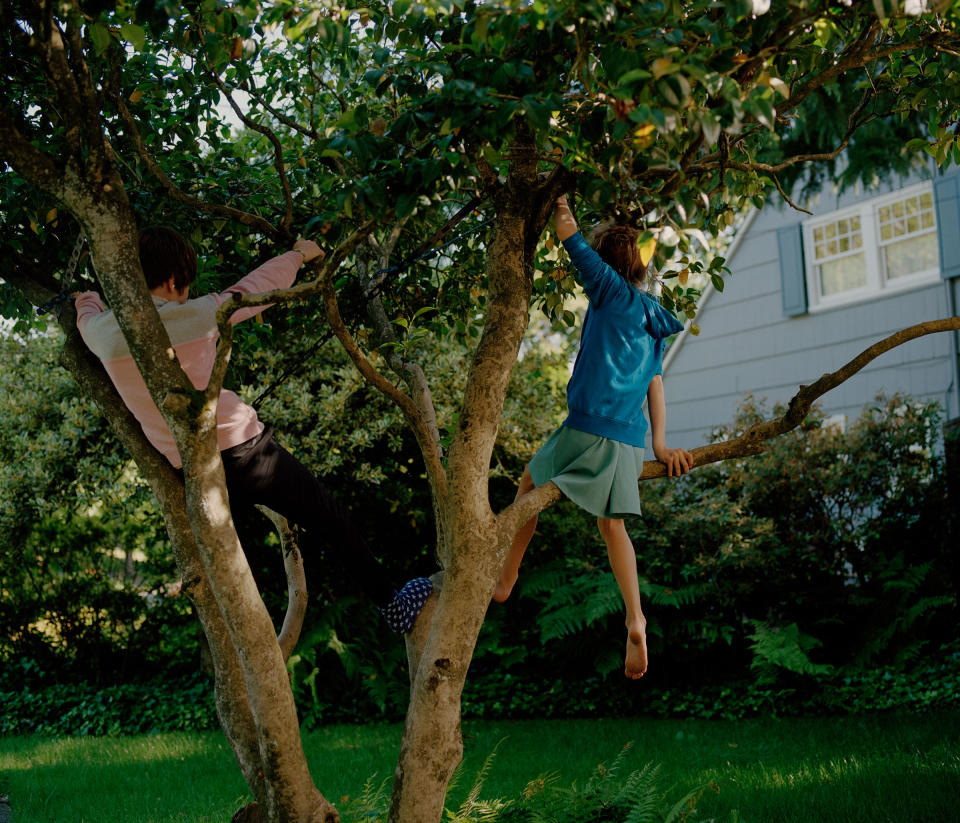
x=385 y=124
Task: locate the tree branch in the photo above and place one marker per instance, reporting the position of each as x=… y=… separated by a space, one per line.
x=244 y=218
x=274 y=141
x=751 y=442
x=297 y=594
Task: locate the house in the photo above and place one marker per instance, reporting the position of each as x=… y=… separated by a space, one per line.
x=807 y=293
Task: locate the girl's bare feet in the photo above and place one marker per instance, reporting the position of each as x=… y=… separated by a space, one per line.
x=635 y=664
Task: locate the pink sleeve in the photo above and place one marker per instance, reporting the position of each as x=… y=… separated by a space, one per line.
x=88 y=305
x=278 y=273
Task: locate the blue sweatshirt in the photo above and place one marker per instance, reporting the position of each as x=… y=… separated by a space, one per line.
x=621 y=349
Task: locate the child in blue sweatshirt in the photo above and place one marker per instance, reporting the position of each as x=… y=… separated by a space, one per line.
x=596 y=456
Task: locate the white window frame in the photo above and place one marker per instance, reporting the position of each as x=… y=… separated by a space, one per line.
x=877 y=284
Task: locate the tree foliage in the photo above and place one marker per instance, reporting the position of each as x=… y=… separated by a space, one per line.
x=383 y=128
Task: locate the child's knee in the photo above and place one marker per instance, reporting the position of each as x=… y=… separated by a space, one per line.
x=609 y=526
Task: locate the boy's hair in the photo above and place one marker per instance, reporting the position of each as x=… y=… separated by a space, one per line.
x=165 y=253
x=617 y=246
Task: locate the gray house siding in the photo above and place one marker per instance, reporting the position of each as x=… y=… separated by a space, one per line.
x=748 y=344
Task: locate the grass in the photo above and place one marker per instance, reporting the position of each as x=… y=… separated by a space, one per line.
x=837 y=770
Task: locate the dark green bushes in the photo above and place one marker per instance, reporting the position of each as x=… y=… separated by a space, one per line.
x=824 y=556
x=783 y=583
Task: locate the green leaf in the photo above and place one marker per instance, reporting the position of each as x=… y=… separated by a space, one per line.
x=134 y=34
x=537 y=113
x=100 y=35
x=406 y=203
x=717 y=281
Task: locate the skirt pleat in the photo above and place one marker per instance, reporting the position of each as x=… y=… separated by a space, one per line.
x=598 y=474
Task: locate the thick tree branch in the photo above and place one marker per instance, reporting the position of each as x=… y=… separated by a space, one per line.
x=411 y=373
x=751 y=442
x=35 y=166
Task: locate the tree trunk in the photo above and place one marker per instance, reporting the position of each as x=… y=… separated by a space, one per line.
x=432 y=746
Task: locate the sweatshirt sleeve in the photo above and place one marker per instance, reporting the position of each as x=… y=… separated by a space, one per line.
x=278 y=273
x=88 y=305
x=661 y=324
x=600 y=281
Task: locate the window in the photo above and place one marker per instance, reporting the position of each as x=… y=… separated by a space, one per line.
x=886 y=243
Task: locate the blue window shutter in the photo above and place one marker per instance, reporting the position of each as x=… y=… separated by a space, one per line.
x=793 y=275
x=947 y=195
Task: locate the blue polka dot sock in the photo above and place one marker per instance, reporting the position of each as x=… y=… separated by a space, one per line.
x=401 y=613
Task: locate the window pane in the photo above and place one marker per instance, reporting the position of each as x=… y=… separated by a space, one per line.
x=831 y=230
x=855 y=223
x=818 y=235
x=843 y=274
x=926 y=201
x=912 y=255
x=844 y=226
x=927 y=219
x=886 y=233
x=911 y=205
x=884 y=214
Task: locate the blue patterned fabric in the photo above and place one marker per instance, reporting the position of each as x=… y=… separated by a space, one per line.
x=401 y=613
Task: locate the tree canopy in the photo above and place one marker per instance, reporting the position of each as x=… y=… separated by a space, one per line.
x=388 y=129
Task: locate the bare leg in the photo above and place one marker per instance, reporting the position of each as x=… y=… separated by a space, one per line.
x=623 y=563
x=511 y=567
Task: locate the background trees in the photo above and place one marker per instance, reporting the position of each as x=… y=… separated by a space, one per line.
x=385 y=128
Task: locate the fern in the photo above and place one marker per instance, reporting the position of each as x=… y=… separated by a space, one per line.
x=581 y=598
x=640 y=795
x=371 y=804
x=784 y=648
x=473 y=809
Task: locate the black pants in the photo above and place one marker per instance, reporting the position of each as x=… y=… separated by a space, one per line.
x=261 y=471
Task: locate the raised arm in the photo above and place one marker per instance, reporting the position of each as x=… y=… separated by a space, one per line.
x=563 y=219
x=677 y=461
x=278 y=273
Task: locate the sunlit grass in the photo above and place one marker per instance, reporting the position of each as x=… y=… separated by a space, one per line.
x=835 y=770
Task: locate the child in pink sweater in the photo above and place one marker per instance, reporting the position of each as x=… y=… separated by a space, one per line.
x=258 y=470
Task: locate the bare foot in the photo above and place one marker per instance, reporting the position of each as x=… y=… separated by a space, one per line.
x=635 y=664
x=503 y=589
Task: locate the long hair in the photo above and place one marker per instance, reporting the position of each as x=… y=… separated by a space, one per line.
x=165 y=253
x=617 y=246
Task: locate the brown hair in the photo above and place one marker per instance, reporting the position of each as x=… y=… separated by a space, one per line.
x=165 y=253
x=617 y=246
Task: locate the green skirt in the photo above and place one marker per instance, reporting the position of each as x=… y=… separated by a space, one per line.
x=598 y=474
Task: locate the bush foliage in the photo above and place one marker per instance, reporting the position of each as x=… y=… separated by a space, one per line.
x=786 y=581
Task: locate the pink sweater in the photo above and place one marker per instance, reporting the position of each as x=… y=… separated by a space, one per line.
x=192 y=327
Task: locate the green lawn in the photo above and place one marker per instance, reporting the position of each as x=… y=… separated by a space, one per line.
x=836 y=770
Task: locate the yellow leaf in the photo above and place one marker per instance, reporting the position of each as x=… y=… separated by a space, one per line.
x=301 y=160
x=51 y=215
x=236 y=49
x=660 y=67
x=644 y=136
x=33 y=227
x=694 y=329
x=557 y=275
x=682 y=277
x=136 y=96
x=647 y=249
x=550 y=242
